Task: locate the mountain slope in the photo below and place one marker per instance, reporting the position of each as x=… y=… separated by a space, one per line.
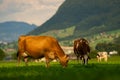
x=89 y=17
x=10 y=31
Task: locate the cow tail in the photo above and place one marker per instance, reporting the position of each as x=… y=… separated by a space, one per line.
x=17 y=53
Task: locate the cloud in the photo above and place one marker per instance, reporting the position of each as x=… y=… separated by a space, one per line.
x=31 y=11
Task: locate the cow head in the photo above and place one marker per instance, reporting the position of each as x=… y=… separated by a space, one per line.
x=64 y=61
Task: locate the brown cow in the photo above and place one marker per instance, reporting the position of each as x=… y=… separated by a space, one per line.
x=39 y=47
x=81 y=50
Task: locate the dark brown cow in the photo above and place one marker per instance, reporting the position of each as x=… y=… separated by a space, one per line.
x=41 y=46
x=81 y=50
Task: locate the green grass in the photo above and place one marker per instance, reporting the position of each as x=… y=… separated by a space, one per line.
x=37 y=71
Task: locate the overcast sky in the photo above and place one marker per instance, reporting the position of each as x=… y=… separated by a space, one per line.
x=30 y=11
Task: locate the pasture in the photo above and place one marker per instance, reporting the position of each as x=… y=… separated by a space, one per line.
x=74 y=71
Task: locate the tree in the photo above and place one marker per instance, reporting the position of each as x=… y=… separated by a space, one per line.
x=100 y=47
x=117 y=44
x=117 y=40
x=2 y=54
x=109 y=46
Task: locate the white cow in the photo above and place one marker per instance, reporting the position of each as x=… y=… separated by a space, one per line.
x=102 y=55
x=113 y=52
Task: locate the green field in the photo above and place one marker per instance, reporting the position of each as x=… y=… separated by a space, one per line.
x=37 y=71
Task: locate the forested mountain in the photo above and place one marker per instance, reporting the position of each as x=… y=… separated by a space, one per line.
x=83 y=17
x=9 y=31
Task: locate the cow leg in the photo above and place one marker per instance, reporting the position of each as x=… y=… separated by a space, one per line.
x=82 y=61
x=47 y=62
x=77 y=55
x=18 y=59
x=78 y=59
x=85 y=59
x=100 y=59
x=105 y=59
x=26 y=61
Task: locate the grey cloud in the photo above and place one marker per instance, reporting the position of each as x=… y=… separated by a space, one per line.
x=1 y=1
x=27 y=10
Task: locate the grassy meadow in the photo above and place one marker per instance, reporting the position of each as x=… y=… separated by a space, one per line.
x=37 y=71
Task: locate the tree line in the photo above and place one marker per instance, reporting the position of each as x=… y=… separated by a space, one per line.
x=111 y=46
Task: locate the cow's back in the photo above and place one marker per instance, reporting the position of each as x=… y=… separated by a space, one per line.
x=38 y=46
x=81 y=46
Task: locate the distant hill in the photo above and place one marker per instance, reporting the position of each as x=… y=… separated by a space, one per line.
x=9 y=31
x=82 y=18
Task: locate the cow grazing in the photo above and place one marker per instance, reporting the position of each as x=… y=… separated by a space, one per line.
x=41 y=46
x=102 y=55
x=82 y=50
